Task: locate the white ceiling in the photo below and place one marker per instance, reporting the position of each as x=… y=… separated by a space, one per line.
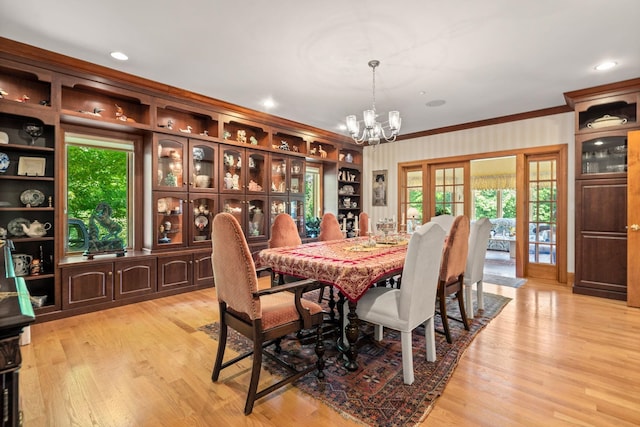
x=486 y=58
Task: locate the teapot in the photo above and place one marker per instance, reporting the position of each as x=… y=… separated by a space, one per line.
x=36 y=229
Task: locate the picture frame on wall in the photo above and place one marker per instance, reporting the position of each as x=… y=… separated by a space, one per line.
x=379 y=185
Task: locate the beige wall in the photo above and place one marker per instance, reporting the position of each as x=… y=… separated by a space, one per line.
x=548 y=130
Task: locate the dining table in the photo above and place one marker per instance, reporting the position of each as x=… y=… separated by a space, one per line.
x=351 y=265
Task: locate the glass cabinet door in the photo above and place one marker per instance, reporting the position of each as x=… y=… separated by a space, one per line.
x=169 y=226
x=233 y=205
x=169 y=164
x=604 y=154
x=257 y=224
x=279 y=169
x=296 y=210
x=277 y=205
x=203 y=166
x=256 y=172
x=231 y=164
x=296 y=185
x=202 y=210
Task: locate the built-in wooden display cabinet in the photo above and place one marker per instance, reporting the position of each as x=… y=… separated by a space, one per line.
x=603 y=117
x=349 y=188
x=199 y=157
x=28 y=182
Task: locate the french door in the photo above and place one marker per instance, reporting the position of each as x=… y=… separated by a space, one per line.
x=440 y=187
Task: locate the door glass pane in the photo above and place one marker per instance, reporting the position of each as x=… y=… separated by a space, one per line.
x=542 y=212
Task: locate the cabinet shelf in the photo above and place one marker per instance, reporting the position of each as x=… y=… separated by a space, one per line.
x=32 y=239
x=25 y=209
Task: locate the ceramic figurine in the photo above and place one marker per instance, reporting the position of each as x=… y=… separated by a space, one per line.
x=205 y=133
x=35 y=267
x=242 y=136
x=226 y=135
x=321 y=152
x=3 y=93
x=187 y=130
x=121 y=116
x=253 y=140
x=170 y=124
x=23 y=98
x=284 y=145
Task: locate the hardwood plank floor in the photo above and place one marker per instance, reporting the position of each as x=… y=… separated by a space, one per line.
x=551 y=358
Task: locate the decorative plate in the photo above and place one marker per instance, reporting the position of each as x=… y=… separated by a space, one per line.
x=15 y=226
x=4 y=162
x=606 y=121
x=32 y=197
x=201 y=222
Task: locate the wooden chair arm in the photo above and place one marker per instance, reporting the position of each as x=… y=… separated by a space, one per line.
x=304 y=285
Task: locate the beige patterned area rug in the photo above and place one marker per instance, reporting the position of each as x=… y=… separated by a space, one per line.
x=512 y=282
x=375 y=394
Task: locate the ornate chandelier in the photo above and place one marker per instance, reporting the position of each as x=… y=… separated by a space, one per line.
x=374 y=130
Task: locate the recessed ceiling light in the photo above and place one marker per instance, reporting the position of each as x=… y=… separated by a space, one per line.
x=268 y=103
x=436 y=103
x=607 y=65
x=119 y=56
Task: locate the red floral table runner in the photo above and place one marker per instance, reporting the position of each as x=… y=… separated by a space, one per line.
x=337 y=263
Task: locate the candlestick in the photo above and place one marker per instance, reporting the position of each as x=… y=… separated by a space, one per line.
x=357 y=228
x=344 y=224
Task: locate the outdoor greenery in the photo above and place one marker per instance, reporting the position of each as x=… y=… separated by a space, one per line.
x=486 y=204
x=96 y=175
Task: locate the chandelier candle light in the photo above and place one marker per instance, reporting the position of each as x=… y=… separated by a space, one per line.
x=374 y=130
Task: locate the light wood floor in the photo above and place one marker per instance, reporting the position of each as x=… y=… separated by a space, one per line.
x=550 y=358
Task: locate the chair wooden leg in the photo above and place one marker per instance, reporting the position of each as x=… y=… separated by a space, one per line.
x=460 y=297
x=319 y=352
x=443 y=315
x=255 y=375
x=222 y=344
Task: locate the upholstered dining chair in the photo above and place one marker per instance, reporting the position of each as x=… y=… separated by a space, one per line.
x=263 y=316
x=284 y=232
x=330 y=228
x=414 y=303
x=363 y=223
x=451 y=279
x=445 y=221
x=474 y=271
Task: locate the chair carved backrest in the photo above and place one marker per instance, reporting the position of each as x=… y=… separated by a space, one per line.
x=330 y=228
x=478 y=240
x=445 y=221
x=420 y=273
x=363 y=220
x=284 y=232
x=234 y=271
x=456 y=248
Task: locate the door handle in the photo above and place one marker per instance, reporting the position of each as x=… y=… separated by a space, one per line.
x=634 y=227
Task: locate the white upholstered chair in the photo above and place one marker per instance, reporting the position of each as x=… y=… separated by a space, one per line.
x=473 y=273
x=445 y=221
x=413 y=304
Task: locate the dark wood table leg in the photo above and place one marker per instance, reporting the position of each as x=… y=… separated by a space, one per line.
x=351 y=331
